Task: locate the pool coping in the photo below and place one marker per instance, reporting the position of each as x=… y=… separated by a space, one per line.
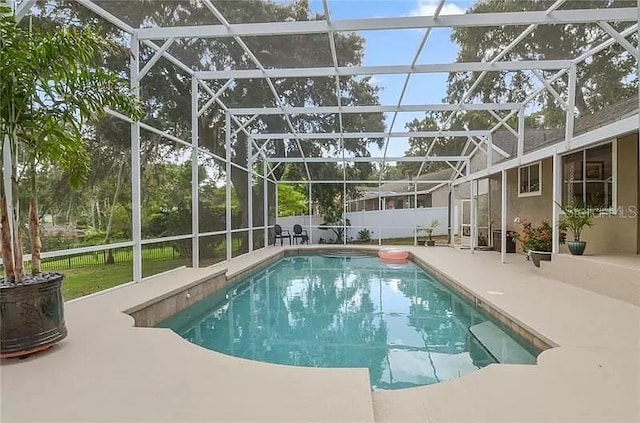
x=523 y=331
x=153 y=308
x=156 y=310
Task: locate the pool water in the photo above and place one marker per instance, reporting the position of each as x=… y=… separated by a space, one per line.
x=398 y=321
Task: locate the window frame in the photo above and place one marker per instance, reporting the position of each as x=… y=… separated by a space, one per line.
x=530 y=193
x=612 y=210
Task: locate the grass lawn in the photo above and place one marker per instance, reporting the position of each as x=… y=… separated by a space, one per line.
x=97 y=277
x=439 y=239
x=87 y=280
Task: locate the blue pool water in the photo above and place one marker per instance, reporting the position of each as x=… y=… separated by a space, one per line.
x=398 y=321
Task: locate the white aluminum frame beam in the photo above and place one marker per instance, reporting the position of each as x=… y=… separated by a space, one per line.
x=109 y=17
x=23 y=8
x=334 y=58
x=425 y=37
x=156 y=56
x=369 y=182
x=262 y=70
x=136 y=176
x=365 y=159
x=411 y=108
x=345 y=71
x=503 y=122
x=356 y=135
x=620 y=39
x=574 y=16
x=504 y=52
x=215 y=97
x=615 y=129
x=495 y=59
x=550 y=88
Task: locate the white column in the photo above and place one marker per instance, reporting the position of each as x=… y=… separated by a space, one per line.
x=310 y=215
x=472 y=215
x=227 y=127
x=452 y=213
x=521 y=125
x=381 y=206
x=195 y=183
x=250 y=192
x=277 y=188
x=136 y=203
x=571 y=104
x=344 y=208
x=503 y=220
x=265 y=204
x=415 y=206
x=489 y=151
x=557 y=198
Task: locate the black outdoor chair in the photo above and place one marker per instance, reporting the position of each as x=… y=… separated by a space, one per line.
x=298 y=232
x=279 y=234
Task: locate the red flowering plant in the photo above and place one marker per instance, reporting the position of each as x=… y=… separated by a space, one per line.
x=537 y=238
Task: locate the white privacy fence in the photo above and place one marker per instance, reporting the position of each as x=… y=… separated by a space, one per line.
x=382 y=224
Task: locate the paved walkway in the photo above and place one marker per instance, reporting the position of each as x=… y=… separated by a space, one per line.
x=109 y=371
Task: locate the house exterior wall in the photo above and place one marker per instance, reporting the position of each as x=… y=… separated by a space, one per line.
x=440 y=197
x=534 y=209
x=611 y=234
x=619 y=233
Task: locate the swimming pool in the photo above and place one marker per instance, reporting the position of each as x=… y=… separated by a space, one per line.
x=398 y=321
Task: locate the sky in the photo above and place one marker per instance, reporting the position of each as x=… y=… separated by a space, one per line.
x=399 y=48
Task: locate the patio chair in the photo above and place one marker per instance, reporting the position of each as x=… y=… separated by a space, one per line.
x=300 y=233
x=279 y=234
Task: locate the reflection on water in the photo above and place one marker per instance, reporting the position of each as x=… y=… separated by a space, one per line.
x=400 y=323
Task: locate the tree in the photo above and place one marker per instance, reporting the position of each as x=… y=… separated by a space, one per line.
x=166 y=90
x=51 y=86
x=440 y=146
x=292 y=200
x=600 y=82
x=418 y=147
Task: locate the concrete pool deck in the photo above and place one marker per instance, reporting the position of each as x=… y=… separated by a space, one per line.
x=109 y=371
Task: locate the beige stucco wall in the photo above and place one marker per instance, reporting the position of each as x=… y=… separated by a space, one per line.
x=440 y=197
x=618 y=233
x=534 y=209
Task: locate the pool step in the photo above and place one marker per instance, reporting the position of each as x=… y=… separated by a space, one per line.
x=500 y=345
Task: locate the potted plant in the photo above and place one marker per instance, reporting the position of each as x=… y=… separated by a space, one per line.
x=52 y=85
x=364 y=236
x=576 y=219
x=537 y=240
x=428 y=231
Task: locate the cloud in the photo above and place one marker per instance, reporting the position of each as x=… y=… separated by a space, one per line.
x=428 y=8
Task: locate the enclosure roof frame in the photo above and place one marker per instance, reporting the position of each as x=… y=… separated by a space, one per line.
x=552 y=16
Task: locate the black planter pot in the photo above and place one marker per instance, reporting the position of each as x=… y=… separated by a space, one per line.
x=421 y=242
x=431 y=243
x=32 y=315
x=576 y=247
x=538 y=256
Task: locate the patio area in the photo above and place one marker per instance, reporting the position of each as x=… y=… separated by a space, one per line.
x=614 y=275
x=458 y=125
x=109 y=370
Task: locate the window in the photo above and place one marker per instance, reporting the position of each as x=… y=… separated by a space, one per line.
x=588 y=177
x=530 y=180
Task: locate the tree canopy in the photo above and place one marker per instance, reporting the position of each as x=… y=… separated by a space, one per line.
x=165 y=90
x=601 y=80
